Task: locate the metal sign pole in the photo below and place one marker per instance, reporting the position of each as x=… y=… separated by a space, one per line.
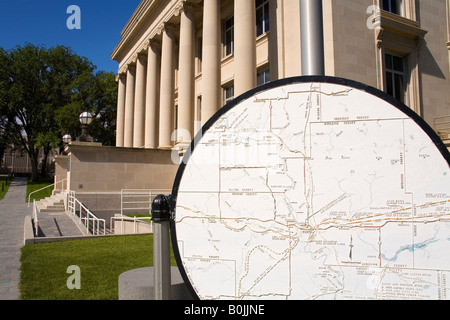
x=161 y=247
x=311 y=27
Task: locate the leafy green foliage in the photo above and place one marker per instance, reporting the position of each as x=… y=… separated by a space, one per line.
x=42 y=93
x=96 y=93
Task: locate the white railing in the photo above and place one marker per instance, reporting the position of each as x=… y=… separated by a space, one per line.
x=138 y=200
x=49 y=186
x=69 y=201
x=134 y=201
x=138 y=223
x=35 y=219
x=85 y=215
x=62 y=186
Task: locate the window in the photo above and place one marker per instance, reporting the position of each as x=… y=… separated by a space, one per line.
x=263 y=76
x=398 y=47
x=395 y=76
x=262 y=16
x=228 y=94
x=228 y=36
x=393 y=6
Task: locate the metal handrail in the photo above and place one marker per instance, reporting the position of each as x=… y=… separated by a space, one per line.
x=126 y=218
x=62 y=186
x=89 y=216
x=135 y=193
x=46 y=187
x=35 y=218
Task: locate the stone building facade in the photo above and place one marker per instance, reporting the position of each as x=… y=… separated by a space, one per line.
x=182 y=60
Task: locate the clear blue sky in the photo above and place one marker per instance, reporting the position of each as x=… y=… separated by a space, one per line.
x=43 y=22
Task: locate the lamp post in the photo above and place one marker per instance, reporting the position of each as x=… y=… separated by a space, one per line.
x=85 y=120
x=311 y=20
x=67 y=139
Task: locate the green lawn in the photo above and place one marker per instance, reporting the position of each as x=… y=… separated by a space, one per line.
x=5 y=187
x=101 y=261
x=33 y=186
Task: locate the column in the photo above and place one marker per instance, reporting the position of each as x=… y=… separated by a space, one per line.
x=167 y=87
x=244 y=46
x=276 y=38
x=186 y=76
x=211 y=90
x=129 y=107
x=139 y=102
x=120 y=111
x=152 y=96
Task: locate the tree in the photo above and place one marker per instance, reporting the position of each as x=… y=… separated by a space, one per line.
x=3 y=100
x=34 y=83
x=3 y=144
x=105 y=108
x=96 y=93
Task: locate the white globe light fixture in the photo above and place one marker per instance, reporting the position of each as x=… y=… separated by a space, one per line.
x=85 y=120
x=67 y=139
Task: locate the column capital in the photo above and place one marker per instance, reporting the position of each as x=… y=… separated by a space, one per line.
x=154 y=43
x=123 y=70
x=131 y=67
x=133 y=59
x=122 y=75
x=186 y=6
x=167 y=27
x=142 y=55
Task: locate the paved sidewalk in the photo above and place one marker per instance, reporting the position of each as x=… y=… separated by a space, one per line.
x=13 y=210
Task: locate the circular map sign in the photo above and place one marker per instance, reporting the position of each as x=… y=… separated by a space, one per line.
x=314 y=188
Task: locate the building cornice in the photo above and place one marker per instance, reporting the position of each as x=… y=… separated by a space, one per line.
x=140 y=11
x=131 y=27
x=132 y=33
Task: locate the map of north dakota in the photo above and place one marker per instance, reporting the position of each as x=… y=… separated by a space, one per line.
x=315 y=191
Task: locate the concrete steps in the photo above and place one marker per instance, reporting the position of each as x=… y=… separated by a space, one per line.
x=52 y=209
x=53 y=221
x=54 y=203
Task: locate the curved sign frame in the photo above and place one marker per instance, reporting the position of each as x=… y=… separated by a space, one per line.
x=344 y=254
